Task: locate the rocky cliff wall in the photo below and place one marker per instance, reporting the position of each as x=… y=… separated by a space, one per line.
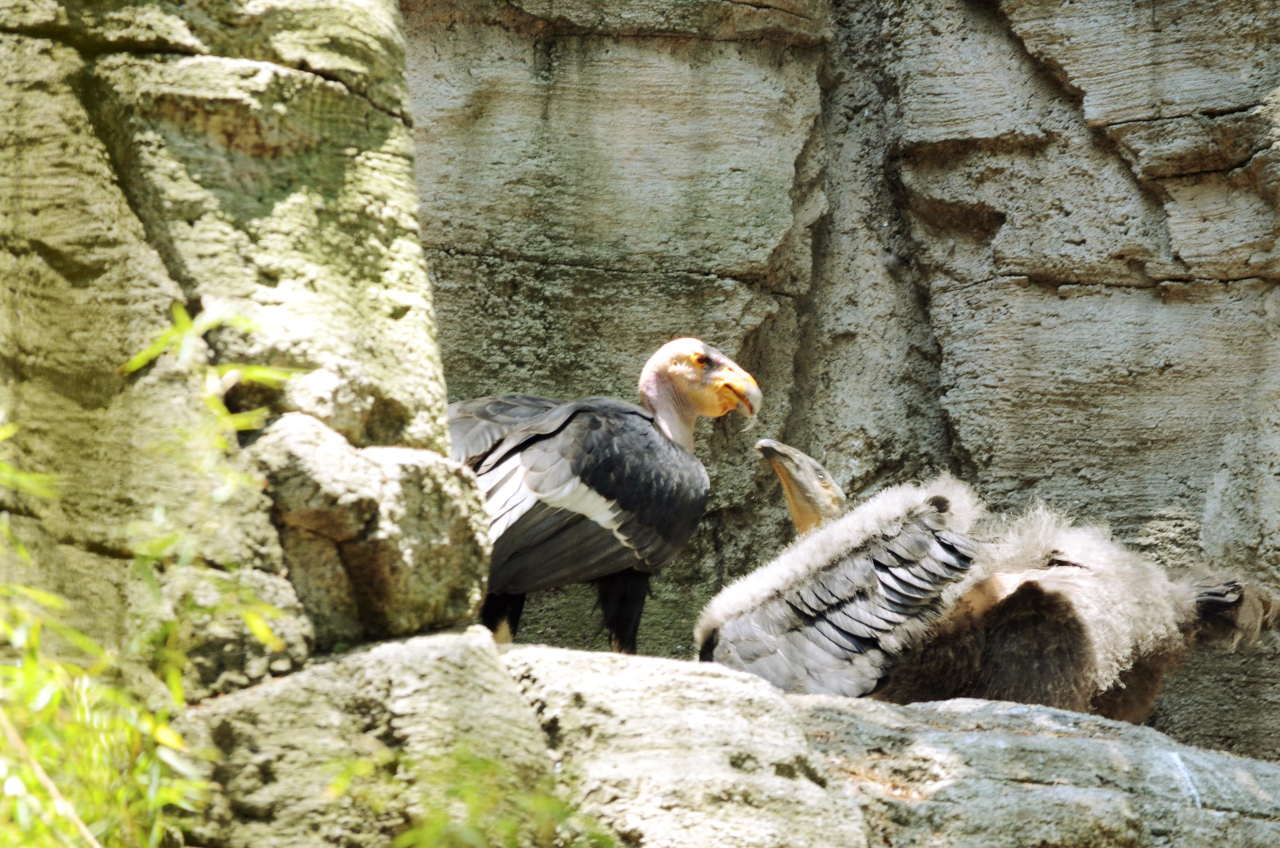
x=243 y=159
x=1028 y=242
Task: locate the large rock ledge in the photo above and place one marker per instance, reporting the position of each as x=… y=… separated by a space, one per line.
x=671 y=753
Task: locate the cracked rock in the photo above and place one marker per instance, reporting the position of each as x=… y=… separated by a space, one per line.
x=674 y=754
x=378 y=541
x=283 y=743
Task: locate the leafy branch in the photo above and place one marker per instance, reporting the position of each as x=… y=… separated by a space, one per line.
x=83 y=761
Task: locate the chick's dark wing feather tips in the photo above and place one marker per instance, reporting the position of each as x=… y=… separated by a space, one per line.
x=853 y=610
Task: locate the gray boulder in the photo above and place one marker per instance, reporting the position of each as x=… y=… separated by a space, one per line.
x=378 y=541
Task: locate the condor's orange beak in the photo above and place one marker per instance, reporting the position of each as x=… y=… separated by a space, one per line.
x=737 y=390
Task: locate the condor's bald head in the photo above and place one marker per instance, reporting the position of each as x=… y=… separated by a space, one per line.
x=687 y=378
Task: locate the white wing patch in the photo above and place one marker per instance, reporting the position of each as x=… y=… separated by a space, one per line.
x=506 y=498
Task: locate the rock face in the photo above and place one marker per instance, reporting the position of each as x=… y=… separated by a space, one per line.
x=675 y=754
x=283 y=743
x=377 y=541
x=1031 y=243
x=671 y=753
x=978 y=773
x=242 y=159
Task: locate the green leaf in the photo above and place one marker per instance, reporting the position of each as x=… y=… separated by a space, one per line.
x=168 y=737
x=261 y=375
x=152 y=351
x=40 y=485
x=254 y=419
x=44 y=599
x=261 y=630
x=76 y=638
x=181 y=318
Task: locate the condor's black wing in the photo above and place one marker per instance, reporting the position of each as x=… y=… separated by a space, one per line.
x=584 y=490
x=475 y=426
x=838 y=629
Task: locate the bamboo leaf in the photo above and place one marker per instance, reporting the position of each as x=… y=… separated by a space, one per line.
x=168 y=737
x=261 y=630
x=261 y=375
x=44 y=599
x=251 y=420
x=40 y=485
x=151 y=352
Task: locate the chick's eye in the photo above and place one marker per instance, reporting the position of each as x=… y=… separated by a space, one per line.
x=822 y=477
x=700 y=358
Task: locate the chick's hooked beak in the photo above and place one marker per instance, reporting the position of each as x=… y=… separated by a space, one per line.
x=813 y=496
x=781 y=458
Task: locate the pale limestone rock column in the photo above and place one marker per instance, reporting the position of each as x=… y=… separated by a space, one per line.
x=246 y=157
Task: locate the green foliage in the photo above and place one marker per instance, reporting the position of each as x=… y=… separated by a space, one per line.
x=40 y=485
x=168 y=641
x=183 y=337
x=473 y=802
x=80 y=759
x=83 y=761
x=204 y=448
x=158 y=544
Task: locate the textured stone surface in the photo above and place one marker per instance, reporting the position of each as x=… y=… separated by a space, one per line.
x=670 y=753
x=81 y=290
x=357 y=42
x=322 y=226
x=283 y=743
x=975 y=773
x=378 y=541
x=693 y=754
x=677 y=754
x=236 y=158
x=1189 y=92
x=224 y=656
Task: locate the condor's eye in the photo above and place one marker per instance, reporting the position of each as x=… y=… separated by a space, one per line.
x=822 y=477
x=700 y=358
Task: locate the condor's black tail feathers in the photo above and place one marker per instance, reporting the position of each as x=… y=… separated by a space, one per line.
x=1231 y=609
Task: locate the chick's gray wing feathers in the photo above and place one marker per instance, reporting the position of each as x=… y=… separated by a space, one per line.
x=838 y=629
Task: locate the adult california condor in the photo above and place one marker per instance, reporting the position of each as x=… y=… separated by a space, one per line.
x=915 y=596
x=596 y=490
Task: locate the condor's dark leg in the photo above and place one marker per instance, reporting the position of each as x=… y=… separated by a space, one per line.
x=622 y=600
x=501 y=614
